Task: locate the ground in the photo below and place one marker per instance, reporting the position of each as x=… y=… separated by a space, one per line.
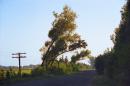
x=83 y=78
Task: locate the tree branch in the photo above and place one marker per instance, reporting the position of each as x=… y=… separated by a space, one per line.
x=47 y=52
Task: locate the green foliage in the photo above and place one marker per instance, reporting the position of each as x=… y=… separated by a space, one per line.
x=99 y=65
x=2 y=74
x=80 y=55
x=104 y=64
x=38 y=71
x=62 y=37
x=63 y=68
x=117 y=64
x=122 y=48
x=10 y=73
x=59 y=68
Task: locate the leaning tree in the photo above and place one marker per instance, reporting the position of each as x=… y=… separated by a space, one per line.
x=63 y=37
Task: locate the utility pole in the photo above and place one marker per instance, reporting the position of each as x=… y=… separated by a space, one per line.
x=19 y=56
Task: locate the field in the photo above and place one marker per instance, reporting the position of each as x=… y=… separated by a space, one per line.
x=3 y=72
x=24 y=71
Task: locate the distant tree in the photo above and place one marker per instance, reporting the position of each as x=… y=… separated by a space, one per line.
x=61 y=59
x=62 y=37
x=92 y=61
x=66 y=61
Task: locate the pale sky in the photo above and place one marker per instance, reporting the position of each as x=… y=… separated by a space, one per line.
x=24 y=25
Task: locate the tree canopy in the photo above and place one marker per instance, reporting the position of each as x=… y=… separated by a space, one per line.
x=63 y=37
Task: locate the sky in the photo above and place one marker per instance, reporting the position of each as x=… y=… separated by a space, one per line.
x=24 y=25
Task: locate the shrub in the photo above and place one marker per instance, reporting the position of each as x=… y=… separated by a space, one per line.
x=10 y=74
x=38 y=71
x=2 y=74
x=99 y=65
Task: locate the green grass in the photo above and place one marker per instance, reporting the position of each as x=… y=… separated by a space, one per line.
x=24 y=71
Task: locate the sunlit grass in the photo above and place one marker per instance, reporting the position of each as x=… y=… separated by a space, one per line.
x=24 y=71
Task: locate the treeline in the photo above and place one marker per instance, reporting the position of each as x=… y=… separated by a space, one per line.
x=16 y=67
x=115 y=63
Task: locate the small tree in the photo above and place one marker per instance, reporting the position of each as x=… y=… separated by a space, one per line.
x=62 y=37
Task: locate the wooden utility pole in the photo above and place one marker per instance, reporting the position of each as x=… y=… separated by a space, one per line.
x=19 y=56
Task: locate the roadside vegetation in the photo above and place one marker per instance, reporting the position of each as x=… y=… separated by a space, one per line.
x=114 y=65
x=59 y=69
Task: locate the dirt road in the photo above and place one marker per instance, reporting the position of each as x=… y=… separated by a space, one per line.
x=79 y=79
